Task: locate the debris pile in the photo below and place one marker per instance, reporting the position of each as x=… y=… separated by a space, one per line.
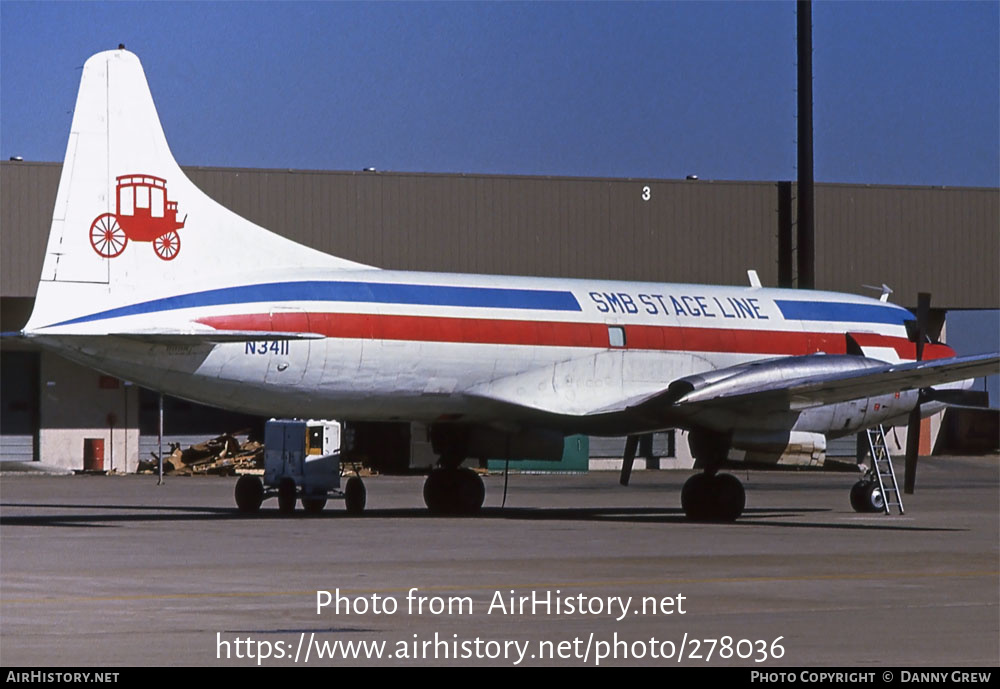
x=223 y=455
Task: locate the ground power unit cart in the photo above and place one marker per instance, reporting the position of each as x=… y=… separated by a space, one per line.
x=301 y=463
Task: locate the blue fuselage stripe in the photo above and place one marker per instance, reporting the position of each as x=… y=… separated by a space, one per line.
x=368 y=292
x=842 y=312
x=462 y=296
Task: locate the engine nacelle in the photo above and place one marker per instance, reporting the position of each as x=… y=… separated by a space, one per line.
x=778 y=414
x=795 y=448
x=763 y=374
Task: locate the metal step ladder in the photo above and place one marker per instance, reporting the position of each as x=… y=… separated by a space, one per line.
x=882 y=469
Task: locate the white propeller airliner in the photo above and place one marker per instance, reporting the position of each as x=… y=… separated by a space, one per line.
x=147 y=278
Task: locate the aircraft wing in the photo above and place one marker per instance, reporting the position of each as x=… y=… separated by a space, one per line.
x=756 y=387
x=787 y=383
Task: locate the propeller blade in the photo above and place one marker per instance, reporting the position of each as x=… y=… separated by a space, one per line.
x=913 y=425
x=912 y=450
x=631 y=445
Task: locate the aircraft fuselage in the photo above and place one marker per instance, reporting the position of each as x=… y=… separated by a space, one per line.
x=395 y=345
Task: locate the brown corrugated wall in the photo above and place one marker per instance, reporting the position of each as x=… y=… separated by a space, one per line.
x=685 y=231
x=27 y=197
x=942 y=240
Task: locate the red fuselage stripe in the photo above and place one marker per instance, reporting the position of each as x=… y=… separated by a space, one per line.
x=561 y=333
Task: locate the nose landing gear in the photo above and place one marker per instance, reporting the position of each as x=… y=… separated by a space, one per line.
x=866 y=496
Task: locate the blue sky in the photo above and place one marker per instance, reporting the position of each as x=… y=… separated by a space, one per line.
x=905 y=93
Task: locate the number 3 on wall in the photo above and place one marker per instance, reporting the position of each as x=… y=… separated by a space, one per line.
x=646 y=193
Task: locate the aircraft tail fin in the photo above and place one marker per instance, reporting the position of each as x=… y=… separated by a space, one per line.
x=128 y=224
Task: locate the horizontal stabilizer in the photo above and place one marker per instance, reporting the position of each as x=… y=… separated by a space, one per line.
x=198 y=337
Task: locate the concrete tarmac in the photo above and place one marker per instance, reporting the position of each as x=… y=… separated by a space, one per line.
x=576 y=570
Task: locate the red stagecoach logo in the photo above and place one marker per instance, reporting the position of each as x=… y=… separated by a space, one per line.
x=143 y=214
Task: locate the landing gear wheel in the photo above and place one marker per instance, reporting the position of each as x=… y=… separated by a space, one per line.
x=729 y=498
x=167 y=246
x=867 y=497
x=107 y=236
x=718 y=498
x=874 y=500
x=436 y=491
x=857 y=495
x=286 y=496
x=470 y=492
x=249 y=494
x=313 y=505
x=355 y=495
x=454 y=491
x=694 y=497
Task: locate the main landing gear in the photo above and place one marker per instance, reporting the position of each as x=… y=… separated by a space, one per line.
x=453 y=490
x=711 y=497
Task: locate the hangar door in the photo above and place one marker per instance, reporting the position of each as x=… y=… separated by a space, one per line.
x=18 y=406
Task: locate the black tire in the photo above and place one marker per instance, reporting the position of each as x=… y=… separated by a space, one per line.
x=313 y=505
x=286 y=496
x=727 y=497
x=437 y=491
x=857 y=495
x=719 y=498
x=454 y=492
x=355 y=495
x=249 y=494
x=469 y=492
x=694 y=498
